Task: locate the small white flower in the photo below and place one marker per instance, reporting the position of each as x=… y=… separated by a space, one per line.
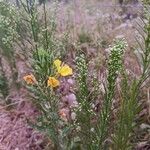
x=92 y=129
x=78 y=128
x=73 y=115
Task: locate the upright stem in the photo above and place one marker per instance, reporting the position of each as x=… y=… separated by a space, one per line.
x=45 y=22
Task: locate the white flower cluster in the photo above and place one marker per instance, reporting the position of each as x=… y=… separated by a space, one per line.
x=115 y=58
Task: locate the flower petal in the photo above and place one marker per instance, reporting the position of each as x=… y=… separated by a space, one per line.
x=57 y=63
x=53 y=82
x=65 y=70
x=30 y=79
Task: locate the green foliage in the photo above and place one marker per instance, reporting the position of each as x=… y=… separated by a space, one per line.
x=3 y=86
x=114 y=68
x=9 y=19
x=47 y=103
x=30 y=10
x=146 y=2
x=82 y=69
x=130 y=91
x=4 y=89
x=146 y=49
x=84 y=112
x=42 y=63
x=126 y=115
x=8 y=33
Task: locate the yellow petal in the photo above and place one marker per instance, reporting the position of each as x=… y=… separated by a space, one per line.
x=65 y=70
x=57 y=63
x=53 y=82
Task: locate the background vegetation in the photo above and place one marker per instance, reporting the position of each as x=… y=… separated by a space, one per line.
x=88 y=85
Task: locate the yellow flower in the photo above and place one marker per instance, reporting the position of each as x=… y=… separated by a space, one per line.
x=63 y=69
x=30 y=79
x=53 y=82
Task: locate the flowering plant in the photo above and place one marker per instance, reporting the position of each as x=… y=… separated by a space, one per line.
x=62 y=70
x=52 y=120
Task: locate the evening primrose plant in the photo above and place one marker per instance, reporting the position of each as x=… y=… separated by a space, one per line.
x=47 y=73
x=51 y=120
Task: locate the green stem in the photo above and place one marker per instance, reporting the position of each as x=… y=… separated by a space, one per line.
x=46 y=32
